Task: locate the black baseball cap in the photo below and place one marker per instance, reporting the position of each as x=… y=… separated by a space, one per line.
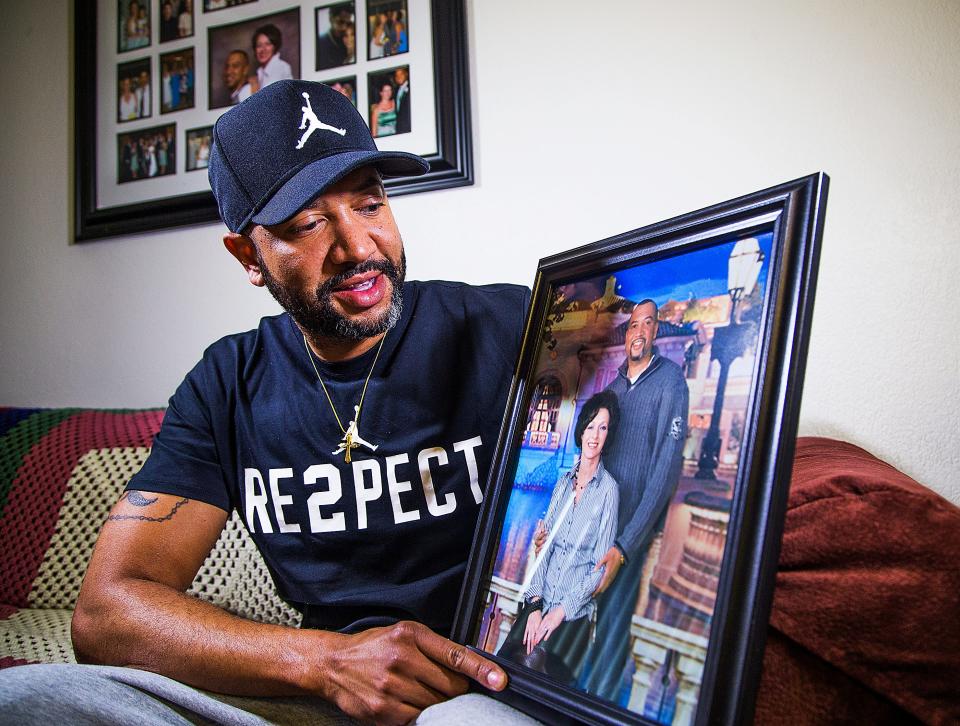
x=276 y=151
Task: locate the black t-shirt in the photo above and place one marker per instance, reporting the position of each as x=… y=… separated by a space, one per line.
x=385 y=537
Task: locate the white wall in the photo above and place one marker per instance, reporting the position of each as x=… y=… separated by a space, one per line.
x=590 y=119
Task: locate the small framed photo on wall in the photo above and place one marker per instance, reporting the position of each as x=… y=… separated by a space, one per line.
x=176 y=20
x=134 y=97
x=389 y=94
x=336 y=29
x=147 y=153
x=210 y=6
x=388 y=31
x=346 y=85
x=198 y=143
x=133 y=24
x=177 y=80
x=246 y=56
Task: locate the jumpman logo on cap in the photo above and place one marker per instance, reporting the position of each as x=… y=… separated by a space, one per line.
x=311 y=123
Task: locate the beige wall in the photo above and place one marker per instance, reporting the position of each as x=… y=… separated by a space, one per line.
x=590 y=119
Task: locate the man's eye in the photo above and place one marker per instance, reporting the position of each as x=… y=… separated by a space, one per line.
x=371 y=208
x=306 y=227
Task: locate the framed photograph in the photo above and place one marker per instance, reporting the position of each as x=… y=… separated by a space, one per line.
x=133 y=90
x=389 y=94
x=336 y=30
x=213 y=59
x=210 y=5
x=251 y=54
x=133 y=24
x=387 y=28
x=347 y=85
x=146 y=154
x=198 y=143
x=177 y=80
x=623 y=565
x=176 y=20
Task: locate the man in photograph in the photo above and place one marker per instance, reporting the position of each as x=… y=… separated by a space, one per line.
x=143 y=93
x=353 y=433
x=168 y=22
x=337 y=45
x=236 y=76
x=646 y=460
x=401 y=78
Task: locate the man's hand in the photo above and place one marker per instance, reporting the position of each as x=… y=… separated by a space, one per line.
x=388 y=675
x=610 y=563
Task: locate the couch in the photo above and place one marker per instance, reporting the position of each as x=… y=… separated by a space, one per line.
x=864 y=628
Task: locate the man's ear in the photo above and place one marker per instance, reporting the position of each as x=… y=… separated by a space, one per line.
x=243 y=248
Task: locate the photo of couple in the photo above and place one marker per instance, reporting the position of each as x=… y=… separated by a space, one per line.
x=609 y=557
x=389 y=94
x=387 y=28
x=250 y=55
x=133 y=90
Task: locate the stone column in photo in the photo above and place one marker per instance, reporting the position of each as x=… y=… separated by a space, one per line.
x=652 y=641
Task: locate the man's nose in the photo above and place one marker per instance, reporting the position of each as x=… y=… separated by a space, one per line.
x=353 y=243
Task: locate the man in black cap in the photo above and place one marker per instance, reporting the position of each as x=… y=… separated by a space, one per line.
x=352 y=433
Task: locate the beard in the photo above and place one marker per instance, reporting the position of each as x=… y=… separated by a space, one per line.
x=316 y=315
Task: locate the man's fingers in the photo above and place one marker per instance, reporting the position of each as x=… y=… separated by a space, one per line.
x=459 y=658
x=416 y=665
x=401 y=692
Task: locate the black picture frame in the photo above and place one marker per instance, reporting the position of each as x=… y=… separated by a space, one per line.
x=450 y=166
x=788 y=219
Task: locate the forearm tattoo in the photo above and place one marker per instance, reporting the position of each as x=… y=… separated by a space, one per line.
x=137 y=499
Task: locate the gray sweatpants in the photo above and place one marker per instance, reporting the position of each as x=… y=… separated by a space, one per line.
x=58 y=695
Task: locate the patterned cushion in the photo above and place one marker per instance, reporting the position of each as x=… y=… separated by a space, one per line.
x=60 y=472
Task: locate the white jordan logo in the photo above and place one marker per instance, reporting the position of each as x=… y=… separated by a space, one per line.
x=314 y=122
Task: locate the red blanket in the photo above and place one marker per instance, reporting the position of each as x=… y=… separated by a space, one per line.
x=865 y=626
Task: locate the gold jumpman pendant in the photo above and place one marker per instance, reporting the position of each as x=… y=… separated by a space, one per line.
x=352 y=439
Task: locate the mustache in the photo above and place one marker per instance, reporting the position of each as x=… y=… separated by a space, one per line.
x=326 y=288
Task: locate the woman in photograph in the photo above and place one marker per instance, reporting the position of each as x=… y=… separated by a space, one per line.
x=166 y=88
x=143 y=24
x=203 y=153
x=553 y=627
x=136 y=27
x=152 y=167
x=185 y=20
x=378 y=35
x=162 y=155
x=383 y=114
x=267 y=41
x=135 y=157
x=129 y=108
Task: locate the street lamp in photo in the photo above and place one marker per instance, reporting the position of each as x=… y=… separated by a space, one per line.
x=730 y=342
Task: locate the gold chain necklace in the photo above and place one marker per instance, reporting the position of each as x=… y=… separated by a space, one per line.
x=351 y=434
